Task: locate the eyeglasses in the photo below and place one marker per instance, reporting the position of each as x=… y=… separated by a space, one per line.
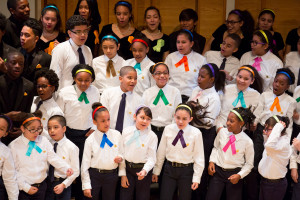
x=255 y=43
x=161 y=73
x=79 y=33
x=43 y=86
x=39 y=130
x=231 y=22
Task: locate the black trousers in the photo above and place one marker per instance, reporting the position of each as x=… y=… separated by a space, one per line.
x=158 y=131
x=50 y=195
x=39 y=195
x=3 y=193
x=219 y=181
x=184 y=98
x=272 y=190
x=174 y=177
x=296 y=188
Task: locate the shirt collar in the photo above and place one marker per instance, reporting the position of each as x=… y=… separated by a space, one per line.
x=181 y=55
x=237 y=136
x=60 y=142
x=209 y=90
x=114 y=59
x=163 y=89
x=143 y=132
x=74 y=46
x=26 y=141
x=127 y=93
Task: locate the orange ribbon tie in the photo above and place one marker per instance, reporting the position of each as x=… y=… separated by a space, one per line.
x=184 y=61
x=276 y=103
x=96 y=33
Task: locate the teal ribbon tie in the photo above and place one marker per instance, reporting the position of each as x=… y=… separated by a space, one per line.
x=138 y=68
x=83 y=97
x=32 y=146
x=105 y=140
x=160 y=43
x=240 y=98
x=135 y=137
x=162 y=96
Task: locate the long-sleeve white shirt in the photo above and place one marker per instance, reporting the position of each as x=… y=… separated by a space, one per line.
x=292 y=61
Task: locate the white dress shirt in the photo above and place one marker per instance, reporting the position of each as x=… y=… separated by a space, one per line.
x=292 y=61
x=276 y=156
x=96 y=157
x=162 y=115
x=179 y=78
x=48 y=108
x=243 y=158
x=269 y=65
x=210 y=100
x=111 y=99
x=65 y=57
x=295 y=157
x=100 y=64
x=146 y=150
x=69 y=152
x=192 y=153
x=297 y=95
x=145 y=79
x=78 y=114
x=33 y=169
x=8 y=172
x=251 y=97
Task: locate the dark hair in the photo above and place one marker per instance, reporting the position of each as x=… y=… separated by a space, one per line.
x=152 y=69
x=8 y=120
x=248 y=20
x=272 y=122
x=53 y=8
x=258 y=81
x=25 y=116
x=61 y=119
x=266 y=11
x=270 y=43
x=181 y=106
x=126 y=4
x=146 y=110
x=83 y=66
x=188 y=14
x=246 y=114
x=237 y=39
x=124 y=70
x=141 y=36
x=94 y=16
x=50 y=75
x=35 y=25
x=199 y=113
x=96 y=105
x=289 y=72
x=12 y=4
x=158 y=13
x=187 y=33
x=2 y=22
x=75 y=20
x=219 y=76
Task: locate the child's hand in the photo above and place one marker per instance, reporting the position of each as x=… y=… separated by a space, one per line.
x=283 y=124
x=295 y=115
x=141 y=175
x=294 y=175
x=211 y=168
x=154 y=178
x=194 y=186
x=87 y=193
x=33 y=190
x=89 y=133
x=296 y=144
x=124 y=182
x=234 y=179
x=69 y=172
x=118 y=159
x=59 y=188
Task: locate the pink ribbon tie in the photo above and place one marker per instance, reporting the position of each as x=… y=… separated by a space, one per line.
x=230 y=143
x=256 y=63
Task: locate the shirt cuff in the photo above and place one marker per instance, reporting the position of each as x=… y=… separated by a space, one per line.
x=122 y=171
x=26 y=188
x=196 y=179
x=293 y=165
x=86 y=186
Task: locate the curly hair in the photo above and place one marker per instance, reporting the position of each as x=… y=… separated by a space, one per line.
x=50 y=75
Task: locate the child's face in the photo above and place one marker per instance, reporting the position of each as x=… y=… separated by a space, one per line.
x=102 y=121
x=28 y=39
x=184 y=45
x=139 y=51
x=123 y=15
x=44 y=89
x=228 y=47
x=182 y=118
x=243 y=79
x=280 y=84
x=234 y=24
x=257 y=47
x=22 y=10
x=128 y=81
x=233 y=124
x=3 y=127
x=49 y=20
x=204 y=79
x=267 y=130
x=32 y=131
x=188 y=24
x=79 y=34
x=55 y=130
x=15 y=65
x=152 y=20
x=84 y=10
x=161 y=76
x=83 y=80
x=265 y=22
x=142 y=121
x=110 y=48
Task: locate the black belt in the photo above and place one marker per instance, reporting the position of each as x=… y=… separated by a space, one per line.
x=105 y=171
x=58 y=179
x=229 y=169
x=272 y=180
x=157 y=128
x=175 y=164
x=134 y=165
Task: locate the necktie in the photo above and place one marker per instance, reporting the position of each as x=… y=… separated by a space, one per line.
x=240 y=98
x=121 y=113
x=276 y=104
x=138 y=68
x=83 y=97
x=110 y=69
x=179 y=136
x=183 y=61
x=32 y=146
x=81 y=57
x=51 y=168
x=230 y=143
x=162 y=96
x=222 y=66
x=39 y=105
x=298 y=82
x=136 y=138
x=105 y=140
x=256 y=63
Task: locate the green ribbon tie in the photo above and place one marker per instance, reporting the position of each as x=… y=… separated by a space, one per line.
x=83 y=97
x=160 y=43
x=162 y=96
x=298 y=99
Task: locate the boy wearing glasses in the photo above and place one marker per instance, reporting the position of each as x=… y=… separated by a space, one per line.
x=72 y=52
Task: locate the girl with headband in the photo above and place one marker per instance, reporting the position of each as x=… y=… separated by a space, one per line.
x=265 y=22
x=136 y=169
x=101 y=157
x=32 y=153
x=52 y=34
x=182 y=147
x=141 y=63
x=107 y=67
x=8 y=187
x=262 y=57
x=232 y=156
x=276 y=157
x=184 y=64
x=123 y=30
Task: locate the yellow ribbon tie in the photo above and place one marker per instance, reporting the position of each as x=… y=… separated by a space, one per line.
x=276 y=104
